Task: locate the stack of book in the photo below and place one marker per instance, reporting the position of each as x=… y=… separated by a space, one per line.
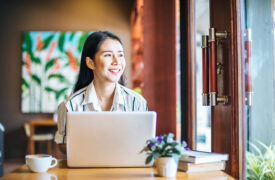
x=198 y=161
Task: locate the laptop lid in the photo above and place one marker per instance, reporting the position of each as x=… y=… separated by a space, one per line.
x=108 y=139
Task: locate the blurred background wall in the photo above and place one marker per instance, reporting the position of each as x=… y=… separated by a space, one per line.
x=17 y=17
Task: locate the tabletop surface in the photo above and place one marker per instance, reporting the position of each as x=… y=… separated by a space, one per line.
x=62 y=172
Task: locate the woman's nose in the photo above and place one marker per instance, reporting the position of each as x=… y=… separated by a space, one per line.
x=115 y=60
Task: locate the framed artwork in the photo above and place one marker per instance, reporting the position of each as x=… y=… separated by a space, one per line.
x=50 y=65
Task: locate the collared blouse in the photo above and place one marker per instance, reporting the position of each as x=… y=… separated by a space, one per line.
x=85 y=99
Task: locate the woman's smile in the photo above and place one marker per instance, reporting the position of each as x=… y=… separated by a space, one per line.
x=114 y=71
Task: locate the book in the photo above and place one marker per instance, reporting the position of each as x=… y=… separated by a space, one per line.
x=202 y=157
x=201 y=167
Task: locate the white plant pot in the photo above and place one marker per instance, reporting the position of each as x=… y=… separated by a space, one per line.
x=166 y=167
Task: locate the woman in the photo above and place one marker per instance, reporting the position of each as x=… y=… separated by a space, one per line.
x=97 y=88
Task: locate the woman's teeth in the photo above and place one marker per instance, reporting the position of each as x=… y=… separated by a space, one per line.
x=114 y=70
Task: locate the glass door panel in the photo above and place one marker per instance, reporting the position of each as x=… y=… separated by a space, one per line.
x=203 y=121
x=260 y=76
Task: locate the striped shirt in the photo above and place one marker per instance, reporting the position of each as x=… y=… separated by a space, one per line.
x=85 y=99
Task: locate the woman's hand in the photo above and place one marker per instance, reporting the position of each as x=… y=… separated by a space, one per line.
x=63 y=148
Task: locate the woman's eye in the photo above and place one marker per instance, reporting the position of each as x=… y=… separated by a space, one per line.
x=107 y=55
x=120 y=55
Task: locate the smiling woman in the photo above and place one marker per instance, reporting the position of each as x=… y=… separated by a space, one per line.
x=98 y=87
x=109 y=63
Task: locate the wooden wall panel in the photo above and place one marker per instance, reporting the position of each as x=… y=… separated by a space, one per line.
x=160 y=62
x=137 y=40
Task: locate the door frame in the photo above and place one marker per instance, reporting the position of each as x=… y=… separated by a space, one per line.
x=228 y=122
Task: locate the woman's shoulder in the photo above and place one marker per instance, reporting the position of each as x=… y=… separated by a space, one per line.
x=76 y=97
x=132 y=94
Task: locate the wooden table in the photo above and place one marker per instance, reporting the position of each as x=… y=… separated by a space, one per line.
x=35 y=123
x=62 y=172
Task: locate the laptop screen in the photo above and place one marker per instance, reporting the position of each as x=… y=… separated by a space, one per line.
x=108 y=139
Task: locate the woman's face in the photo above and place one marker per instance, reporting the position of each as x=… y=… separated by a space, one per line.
x=109 y=62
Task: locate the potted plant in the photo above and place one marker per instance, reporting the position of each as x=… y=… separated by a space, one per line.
x=166 y=152
x=261 y=165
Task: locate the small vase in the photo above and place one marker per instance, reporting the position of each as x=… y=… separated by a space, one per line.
x=166 y=167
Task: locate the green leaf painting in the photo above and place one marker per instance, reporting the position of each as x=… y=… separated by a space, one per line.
x=35 y=59
x=50 y=65
x=61 y=41
x=47 y=41
x=27 y=42
x=71 y=36
x=25 y=83
x=82 y=41
x=36 y=79
x=59 y=77
x=60 y=92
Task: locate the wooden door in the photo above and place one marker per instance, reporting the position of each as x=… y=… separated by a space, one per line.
x=227 y=120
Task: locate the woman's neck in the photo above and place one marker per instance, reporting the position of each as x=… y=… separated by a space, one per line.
x=105 y=94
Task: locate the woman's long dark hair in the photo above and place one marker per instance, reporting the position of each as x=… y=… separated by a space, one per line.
x=90 y=48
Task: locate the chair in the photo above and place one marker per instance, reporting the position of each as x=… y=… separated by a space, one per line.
x=37 y=138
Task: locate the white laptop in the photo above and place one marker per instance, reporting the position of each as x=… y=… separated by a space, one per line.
x=108 y=139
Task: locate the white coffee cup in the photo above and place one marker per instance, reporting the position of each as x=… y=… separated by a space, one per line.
x=40 y=162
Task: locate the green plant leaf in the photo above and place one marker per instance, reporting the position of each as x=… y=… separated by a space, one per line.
x=263 y=145
x=81 y=41
x=166 y=146
x=36 y=79
x=174 y=144
x=25 y=83
x=149 y=159
x=167 y=152
x=156 y=155
x=47 y=41
x=260 y=165
x=170 y=137
x=61 y=41
x=257 y=149
x=176 y=151
x=165 y=138
x=49 y=64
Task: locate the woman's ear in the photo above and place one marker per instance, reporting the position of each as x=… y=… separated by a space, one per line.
x=90 y=63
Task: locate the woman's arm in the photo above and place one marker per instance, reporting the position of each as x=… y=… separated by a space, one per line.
x=60 y=134
x=62 y=148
